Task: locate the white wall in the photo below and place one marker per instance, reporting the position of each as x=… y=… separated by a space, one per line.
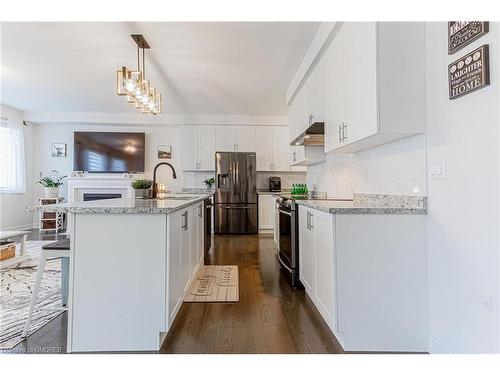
x=463 y=222
x=46 y=134
x=12 y=206
x=395 y=168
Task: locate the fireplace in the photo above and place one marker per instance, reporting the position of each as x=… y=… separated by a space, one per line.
x=99 y=196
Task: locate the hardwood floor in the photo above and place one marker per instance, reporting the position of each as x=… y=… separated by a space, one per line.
x=270 y=317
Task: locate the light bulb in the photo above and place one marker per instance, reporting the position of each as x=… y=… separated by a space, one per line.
x=130 y=86
x=145 y=100
x=151 y=106
x=138 y=93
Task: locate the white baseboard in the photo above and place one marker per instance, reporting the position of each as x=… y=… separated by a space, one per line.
x=436 y=346
x=20 y=227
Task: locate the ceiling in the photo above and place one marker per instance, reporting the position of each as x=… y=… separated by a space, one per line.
x=210 y=68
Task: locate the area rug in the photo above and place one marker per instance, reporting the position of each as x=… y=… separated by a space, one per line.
x=16 y=286
x=214 y=284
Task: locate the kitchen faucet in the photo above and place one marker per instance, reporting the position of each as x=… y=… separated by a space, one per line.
x=154 y=176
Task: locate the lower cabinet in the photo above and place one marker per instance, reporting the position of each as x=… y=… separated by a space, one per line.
x=185 y=254
x=366 y=275
x=266 y=212
x=317 y=261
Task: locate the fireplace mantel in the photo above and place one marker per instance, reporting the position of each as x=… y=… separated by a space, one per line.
x=98 y=184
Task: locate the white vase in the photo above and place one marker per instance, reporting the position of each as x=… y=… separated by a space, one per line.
x=51 y=192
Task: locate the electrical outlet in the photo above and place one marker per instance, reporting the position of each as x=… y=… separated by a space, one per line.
x=437 y=171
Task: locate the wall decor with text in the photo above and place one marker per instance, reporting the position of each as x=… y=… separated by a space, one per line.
x=462 y=33
x=469 y=73
x=58 y=150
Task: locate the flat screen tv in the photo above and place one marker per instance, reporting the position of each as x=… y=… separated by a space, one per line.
x=108 y=152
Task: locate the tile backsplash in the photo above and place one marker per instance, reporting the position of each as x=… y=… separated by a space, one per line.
x=287 y=179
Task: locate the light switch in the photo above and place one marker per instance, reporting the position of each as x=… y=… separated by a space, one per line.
x=437 y=171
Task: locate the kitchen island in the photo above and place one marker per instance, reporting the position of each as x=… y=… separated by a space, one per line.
x=131 y=263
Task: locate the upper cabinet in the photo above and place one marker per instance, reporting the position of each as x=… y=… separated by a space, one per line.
x=308 y=105
x=374 y=86
x=237 y=138
x=198 y=148
x=272 y=148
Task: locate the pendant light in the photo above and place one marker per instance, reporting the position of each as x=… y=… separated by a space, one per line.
x=134 y=85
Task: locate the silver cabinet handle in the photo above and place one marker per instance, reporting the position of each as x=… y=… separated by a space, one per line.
x=307 y=221
x=311 y=226
x=344 y=133
x=340 y=133
x=199 y=210
x=185 y=219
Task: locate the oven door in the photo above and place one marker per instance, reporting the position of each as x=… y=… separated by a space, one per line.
x=285 y=235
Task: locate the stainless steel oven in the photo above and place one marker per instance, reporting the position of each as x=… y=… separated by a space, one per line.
x=288 y=248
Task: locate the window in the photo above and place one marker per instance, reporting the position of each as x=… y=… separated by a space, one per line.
x=12 y=165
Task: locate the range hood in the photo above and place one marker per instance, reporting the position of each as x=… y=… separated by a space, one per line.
x=313 y=136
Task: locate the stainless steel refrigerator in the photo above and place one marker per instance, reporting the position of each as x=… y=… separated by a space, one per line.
x=236 y=193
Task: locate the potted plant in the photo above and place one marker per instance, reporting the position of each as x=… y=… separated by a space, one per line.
x=51 y=186
x=142 y=188
x=209 y=182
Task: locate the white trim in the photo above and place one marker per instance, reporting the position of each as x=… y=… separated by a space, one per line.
x=323 y=37
x=436 y=346
x=141 y=119
x=20 y=227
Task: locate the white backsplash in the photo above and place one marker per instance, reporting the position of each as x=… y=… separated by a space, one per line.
x=287 y=179
x=195 y=179
x=396 y=168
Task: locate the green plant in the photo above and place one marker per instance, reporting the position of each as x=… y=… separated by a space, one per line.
x=142 y=184
x=209 y=182
x=49 y=182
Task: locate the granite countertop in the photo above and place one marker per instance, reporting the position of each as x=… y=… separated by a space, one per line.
x=371 y=204
x=125 y=205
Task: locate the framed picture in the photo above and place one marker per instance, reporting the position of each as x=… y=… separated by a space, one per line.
x=58 y=150
x=463 y=33
x=164 y=152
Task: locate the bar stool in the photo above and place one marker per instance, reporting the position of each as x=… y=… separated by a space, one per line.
x=51 y=251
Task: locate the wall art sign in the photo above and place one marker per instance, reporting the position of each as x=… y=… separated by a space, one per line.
x=462 y=33
x=469 y=73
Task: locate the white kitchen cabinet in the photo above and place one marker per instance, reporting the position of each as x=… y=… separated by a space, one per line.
x=334 y=92
x=264 y=148
x=382 y=282
x=272 y=148
x=296 y=116
x=378 y=69
x=314 y=97
x=200 y=234
x=185 y=253
x=235 y=138
x=244 y=138
x=324 y=266
x=316 y=261
x=306 y=252
x=370 y=289
x=281 y=148
x=224 y=138
x=266 y=212
x=198 y=148
x=176 y=273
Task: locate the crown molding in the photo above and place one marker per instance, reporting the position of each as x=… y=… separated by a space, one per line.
x=143 y=119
